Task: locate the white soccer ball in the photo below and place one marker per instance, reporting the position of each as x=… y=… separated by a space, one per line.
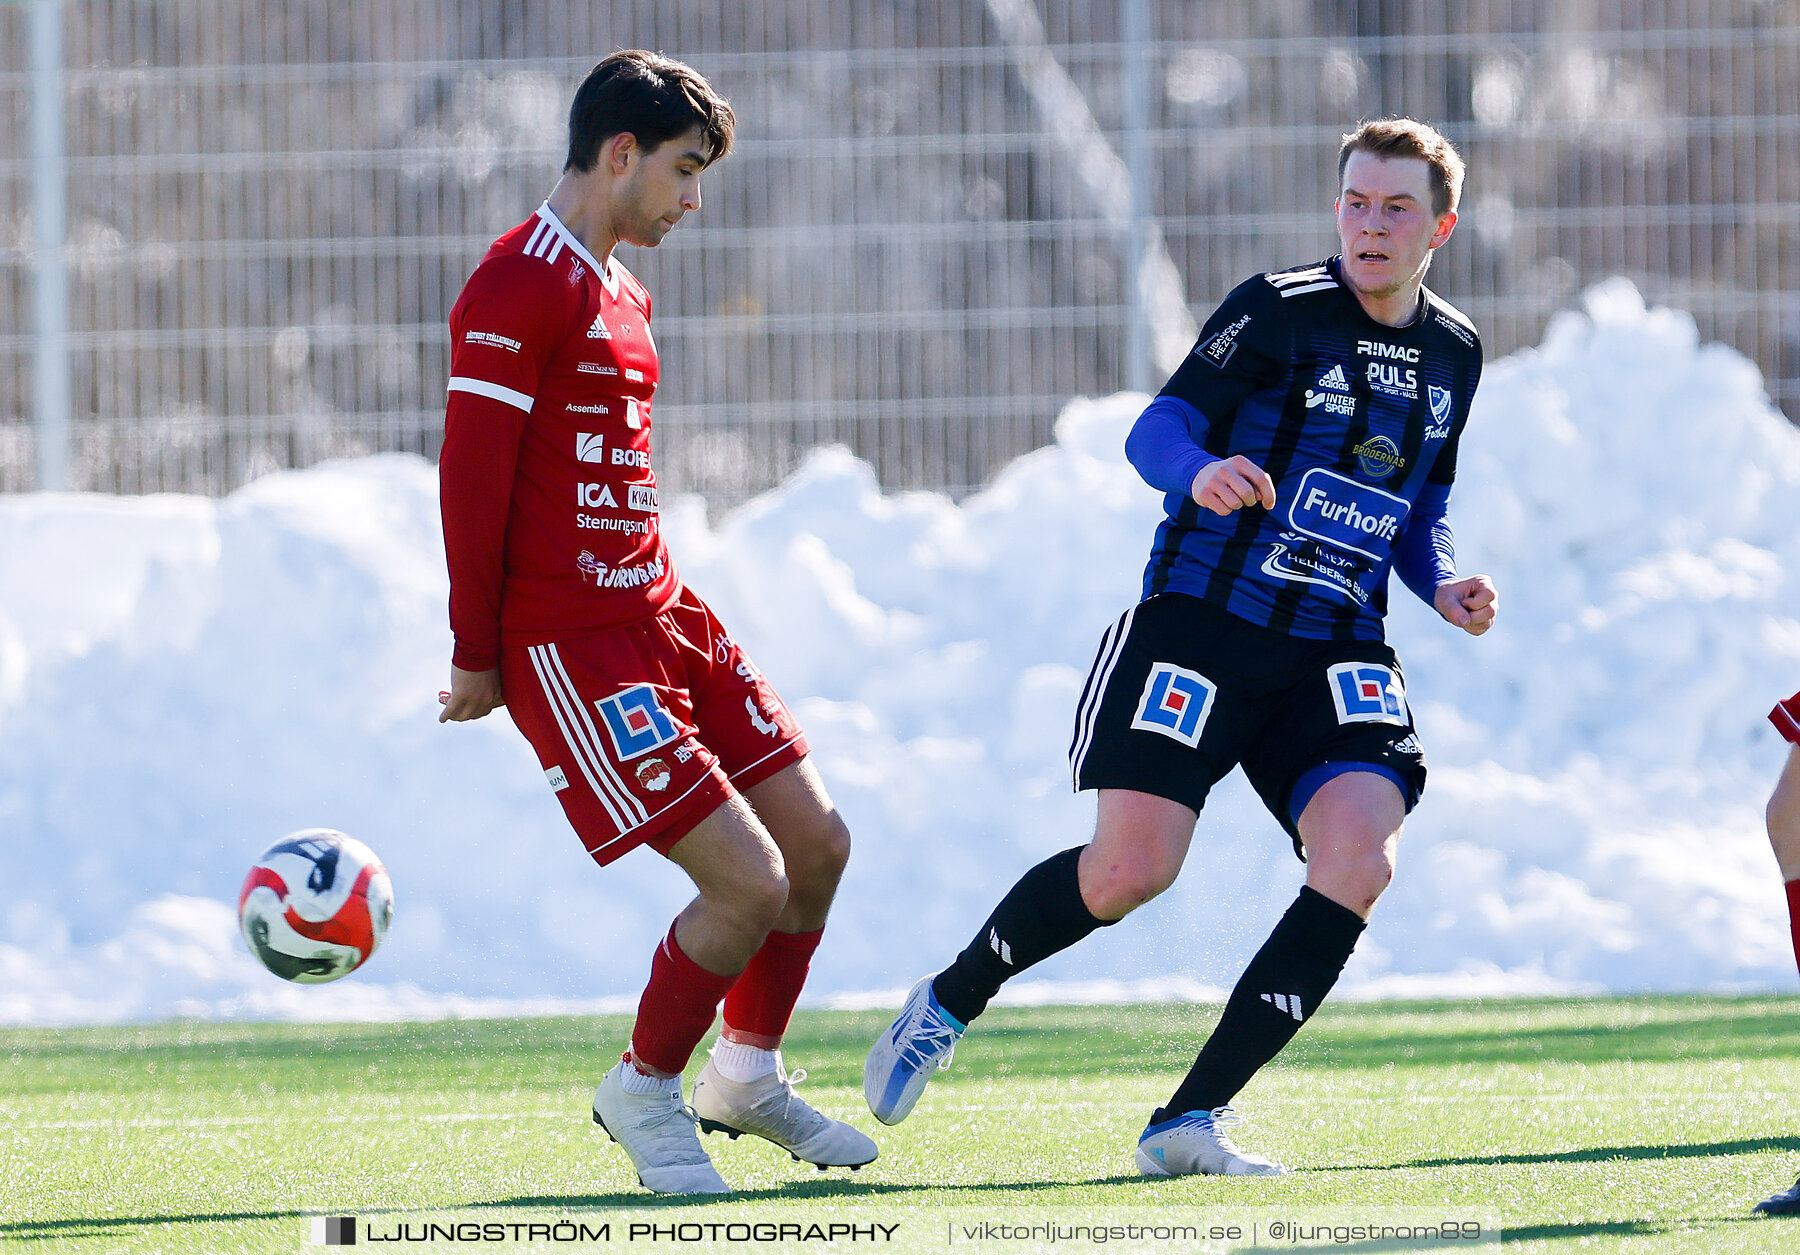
x=315 y=906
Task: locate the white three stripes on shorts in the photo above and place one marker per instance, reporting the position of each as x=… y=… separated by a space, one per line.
x=583 y=738
x=1087 y=712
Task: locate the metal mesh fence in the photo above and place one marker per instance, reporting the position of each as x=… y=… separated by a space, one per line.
x=918 y=247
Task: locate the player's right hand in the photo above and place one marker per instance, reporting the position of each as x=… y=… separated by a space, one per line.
x=1233 y=483
x=472 y=694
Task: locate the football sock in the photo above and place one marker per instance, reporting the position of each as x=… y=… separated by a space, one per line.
x=677 y=1008
x=736 y=1061
x=759 y=1006
x=1285 y=983
x=636 y=1082
x=1793 y=895
x=1039 y=916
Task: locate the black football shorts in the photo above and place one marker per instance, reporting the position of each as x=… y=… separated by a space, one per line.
x=1182 y=691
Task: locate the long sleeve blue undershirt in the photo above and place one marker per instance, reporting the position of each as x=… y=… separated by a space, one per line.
x=1425 y=552
x=1165 y=447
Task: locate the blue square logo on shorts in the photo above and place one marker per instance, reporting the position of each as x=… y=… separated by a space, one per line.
x=1367 y=692
x=636 y=722
x=1175 y=703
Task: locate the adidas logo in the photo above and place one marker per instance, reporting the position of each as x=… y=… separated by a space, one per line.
x=999 y=947
x=1287 y=1002
x=598 y=331
x=1333 y=379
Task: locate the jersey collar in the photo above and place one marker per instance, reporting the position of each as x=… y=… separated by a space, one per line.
x=608 y=279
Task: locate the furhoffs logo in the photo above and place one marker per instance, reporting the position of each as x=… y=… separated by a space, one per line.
x=334 y=1230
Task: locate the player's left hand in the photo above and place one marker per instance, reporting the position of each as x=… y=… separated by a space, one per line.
x=472 y=695
x=1470 y=604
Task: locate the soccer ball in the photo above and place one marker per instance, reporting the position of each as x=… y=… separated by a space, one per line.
x=315 y=906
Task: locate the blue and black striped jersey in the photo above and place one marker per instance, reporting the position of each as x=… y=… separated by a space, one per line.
x=1357 y=424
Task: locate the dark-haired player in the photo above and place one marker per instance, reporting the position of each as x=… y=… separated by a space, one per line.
x=1784 y=835
x=1307 y=447
x=652 y=726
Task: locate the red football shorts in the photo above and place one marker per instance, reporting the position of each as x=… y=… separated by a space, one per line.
x=646 y=729
x=1786 y=718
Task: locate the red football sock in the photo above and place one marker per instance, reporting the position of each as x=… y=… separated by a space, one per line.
x=1793 y=892
x=759 y=1006
x=676 y=1010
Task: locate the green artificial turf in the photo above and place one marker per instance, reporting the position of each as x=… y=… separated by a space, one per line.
x=1647 y=1124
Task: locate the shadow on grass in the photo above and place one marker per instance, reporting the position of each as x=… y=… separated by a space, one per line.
x=1615 y=1228
x=1591 y=1154
x=102 y=1226
x=827 y=1190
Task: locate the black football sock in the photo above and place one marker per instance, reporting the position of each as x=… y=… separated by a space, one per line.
x=1284 y=984
x=1040 y=915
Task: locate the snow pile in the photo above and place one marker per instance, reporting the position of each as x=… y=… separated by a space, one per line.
x=182 y=681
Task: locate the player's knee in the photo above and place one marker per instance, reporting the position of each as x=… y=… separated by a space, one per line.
x=1114 y=892
x=816 y=862
x=1374 y=873
x=1355 y=873
x=763 y=900
x=831 y=846
x=758 y=891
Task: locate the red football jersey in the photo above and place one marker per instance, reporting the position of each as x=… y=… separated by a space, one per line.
x=549 y=502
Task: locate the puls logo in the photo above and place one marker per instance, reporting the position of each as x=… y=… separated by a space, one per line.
x=1394 y=380
x=1175 y=703
x=589 y=446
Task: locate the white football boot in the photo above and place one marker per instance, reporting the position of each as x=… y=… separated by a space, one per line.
x=769 y=1108
x=1196 y=1143
x=657 y=1132
x=920 y=1042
